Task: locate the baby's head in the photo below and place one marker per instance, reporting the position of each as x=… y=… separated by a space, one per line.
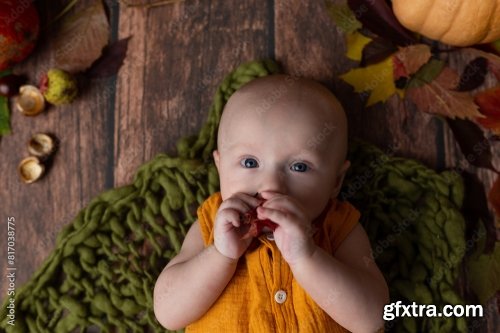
x=283 y=134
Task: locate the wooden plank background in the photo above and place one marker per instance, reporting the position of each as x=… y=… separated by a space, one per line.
x=177 y=56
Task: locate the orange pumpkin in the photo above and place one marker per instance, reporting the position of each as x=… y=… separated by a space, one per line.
x=454 y=22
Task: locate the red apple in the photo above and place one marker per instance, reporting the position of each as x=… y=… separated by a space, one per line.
x=19 y=29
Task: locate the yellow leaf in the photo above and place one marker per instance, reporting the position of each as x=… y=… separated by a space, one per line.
x=355 y=44
x=377 y=78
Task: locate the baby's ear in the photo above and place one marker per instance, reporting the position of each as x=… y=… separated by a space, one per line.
x=340 y=178
x=216 y=156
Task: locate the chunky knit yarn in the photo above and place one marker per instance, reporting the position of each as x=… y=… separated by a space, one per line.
x=101 y=274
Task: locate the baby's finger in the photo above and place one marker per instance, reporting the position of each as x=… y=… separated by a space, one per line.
x=284 y=203
x=250 y=200
x=236 y=204
x=230 y=216
x=277 y=216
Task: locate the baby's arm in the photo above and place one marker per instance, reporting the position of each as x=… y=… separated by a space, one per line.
x=191 y=282
x=348 y=285
x=195 y=278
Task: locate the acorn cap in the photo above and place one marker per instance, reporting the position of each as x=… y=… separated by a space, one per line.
x=41 y=145
x=30 y=100
x=30 y=169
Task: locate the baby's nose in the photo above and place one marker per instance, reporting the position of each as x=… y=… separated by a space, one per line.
x=274 y=182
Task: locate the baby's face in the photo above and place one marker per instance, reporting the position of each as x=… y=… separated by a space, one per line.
x=293 y=144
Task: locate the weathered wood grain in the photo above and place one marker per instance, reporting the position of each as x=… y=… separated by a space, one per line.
x=78 y=172
x=178 y=56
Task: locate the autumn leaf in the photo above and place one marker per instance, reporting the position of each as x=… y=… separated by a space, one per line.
x=427 y=73
x=413 y=57
x=81 y=38
x=474 y=74
x=439 y=97
x=4 y=110
x=4 y=116
x=377 y=78
x=494 y=196
x=356 y=41
x=483 y=273
x=343 y=17
x=489 y=106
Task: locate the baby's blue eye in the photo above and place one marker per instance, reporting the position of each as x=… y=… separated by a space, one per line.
x=249 y=163
x=299 y=167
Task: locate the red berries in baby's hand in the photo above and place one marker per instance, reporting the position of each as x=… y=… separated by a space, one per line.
x=256 y=225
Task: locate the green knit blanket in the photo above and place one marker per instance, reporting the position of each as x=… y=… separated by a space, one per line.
x=101 y=274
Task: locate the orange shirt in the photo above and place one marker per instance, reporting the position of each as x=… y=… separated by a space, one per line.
x=263 y=296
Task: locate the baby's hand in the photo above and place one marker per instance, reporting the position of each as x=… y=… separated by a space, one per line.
x=293 y=235
x=228 y=231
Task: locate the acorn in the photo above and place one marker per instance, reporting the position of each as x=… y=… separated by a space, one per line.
x=58 y=87
x=31 y=169
x=41 y=145
x=30 y=101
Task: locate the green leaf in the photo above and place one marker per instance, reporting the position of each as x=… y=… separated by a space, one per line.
x=5 y=72
x=4 y=116
x=426 y=74
x=343 y=16
x=484 y=274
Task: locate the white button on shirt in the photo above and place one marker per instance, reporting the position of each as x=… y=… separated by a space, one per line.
x=280 y=296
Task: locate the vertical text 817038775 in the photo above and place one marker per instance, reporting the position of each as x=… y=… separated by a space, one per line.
x=11 y=270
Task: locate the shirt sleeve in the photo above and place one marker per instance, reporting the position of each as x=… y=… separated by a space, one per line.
x=346 y=217
x=206 y=217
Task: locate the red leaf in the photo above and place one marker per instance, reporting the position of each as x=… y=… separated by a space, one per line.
x=489 y=106
x=378 y=17
x=413 y=57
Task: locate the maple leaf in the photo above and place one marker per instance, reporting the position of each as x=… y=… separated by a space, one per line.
x=377 y=78
x=439 y=97
x=489 y=106
x=355 y=43
x=411 y=58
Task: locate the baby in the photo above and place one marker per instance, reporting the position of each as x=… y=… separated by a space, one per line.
x=282 y=146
